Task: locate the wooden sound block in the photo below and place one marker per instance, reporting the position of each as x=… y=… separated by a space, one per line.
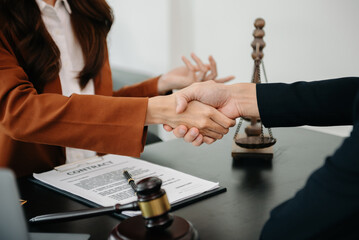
x=239 y=153
x=134 y=228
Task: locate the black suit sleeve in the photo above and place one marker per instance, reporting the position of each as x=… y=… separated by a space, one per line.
x=328 y=205
x=317 y=103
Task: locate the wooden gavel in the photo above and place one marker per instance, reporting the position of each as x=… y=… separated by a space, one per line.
x=152 y=201
x=155 y=222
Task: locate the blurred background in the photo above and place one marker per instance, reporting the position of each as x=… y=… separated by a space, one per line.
x=306 y=40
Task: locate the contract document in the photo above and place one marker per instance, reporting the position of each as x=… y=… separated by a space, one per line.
x=101 y=181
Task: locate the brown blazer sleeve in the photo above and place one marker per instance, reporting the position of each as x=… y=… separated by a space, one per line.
x=99 y=123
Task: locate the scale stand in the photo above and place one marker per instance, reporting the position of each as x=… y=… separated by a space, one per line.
x=253 y=143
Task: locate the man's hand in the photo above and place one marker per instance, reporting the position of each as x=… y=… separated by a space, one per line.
x=211 y=93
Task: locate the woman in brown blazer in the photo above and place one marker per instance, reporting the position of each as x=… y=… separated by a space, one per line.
x=40 y=116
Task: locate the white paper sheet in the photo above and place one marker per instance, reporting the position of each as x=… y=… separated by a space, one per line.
x=101 y=180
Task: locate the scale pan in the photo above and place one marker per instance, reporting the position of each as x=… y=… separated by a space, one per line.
x=255 y=142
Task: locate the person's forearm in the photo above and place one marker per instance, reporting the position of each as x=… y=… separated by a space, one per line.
x=164 y=85
x=245 y=97
x=158 y=109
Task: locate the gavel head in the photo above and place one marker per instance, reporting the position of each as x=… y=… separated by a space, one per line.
x=154 y=203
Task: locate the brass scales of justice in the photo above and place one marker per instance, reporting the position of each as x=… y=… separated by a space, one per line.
x=254 y=144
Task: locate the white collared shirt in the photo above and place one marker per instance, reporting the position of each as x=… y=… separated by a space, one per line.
x=58 y=24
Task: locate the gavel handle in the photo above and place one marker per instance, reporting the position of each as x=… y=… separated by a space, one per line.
x=78 y=214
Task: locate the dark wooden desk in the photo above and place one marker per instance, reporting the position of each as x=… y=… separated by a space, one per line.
x=239 y=213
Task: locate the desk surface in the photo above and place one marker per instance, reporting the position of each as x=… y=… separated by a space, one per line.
x=239 y=213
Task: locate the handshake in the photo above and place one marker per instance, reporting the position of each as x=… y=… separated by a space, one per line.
x=203 y=112
x=205 y=108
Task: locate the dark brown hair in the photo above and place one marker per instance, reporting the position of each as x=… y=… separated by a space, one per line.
x=37 y=53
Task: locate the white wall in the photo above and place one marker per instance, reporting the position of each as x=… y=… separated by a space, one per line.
x=139 y=39
x=306 y=40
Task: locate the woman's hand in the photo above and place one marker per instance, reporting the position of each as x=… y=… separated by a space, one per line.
x=208 y=121
x=184 y=76
x=191 y=135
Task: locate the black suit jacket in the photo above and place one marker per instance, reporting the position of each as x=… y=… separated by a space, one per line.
x=328 y=205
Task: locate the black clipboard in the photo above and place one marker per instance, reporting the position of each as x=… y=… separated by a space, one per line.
x=89 y=203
